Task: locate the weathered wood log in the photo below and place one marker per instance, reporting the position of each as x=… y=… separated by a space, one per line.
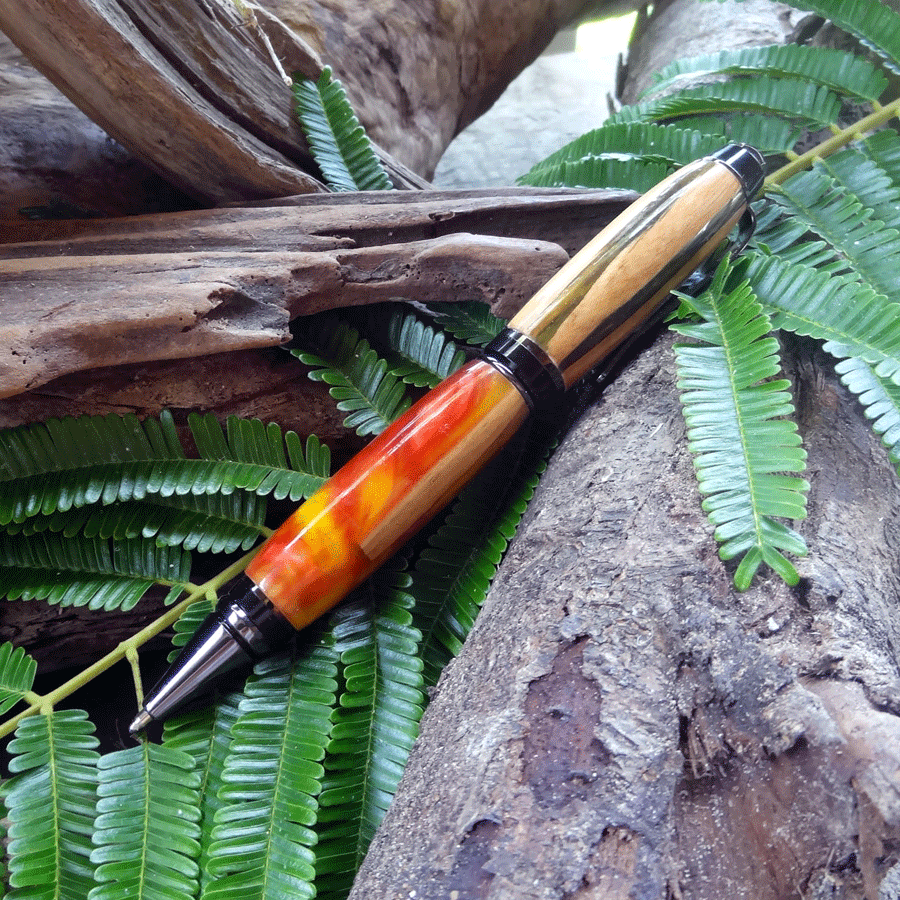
x=622 y=724
x=187 y=284
x=196 y=89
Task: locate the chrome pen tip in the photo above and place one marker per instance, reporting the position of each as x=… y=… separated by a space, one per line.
x=141 y=721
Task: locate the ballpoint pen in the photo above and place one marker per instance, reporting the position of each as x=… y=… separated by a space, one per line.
x=371 y=506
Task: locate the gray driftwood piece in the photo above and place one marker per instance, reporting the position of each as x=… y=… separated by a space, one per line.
x=180 y=285
x=622 y=724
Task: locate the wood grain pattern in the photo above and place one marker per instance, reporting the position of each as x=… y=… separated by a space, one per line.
x=630 y=267
x=84 y=294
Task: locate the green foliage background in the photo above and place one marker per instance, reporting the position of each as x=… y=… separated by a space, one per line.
x=275 y=791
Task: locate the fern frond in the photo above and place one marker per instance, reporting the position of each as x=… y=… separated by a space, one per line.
x=258 y=452
x=844 y=73
x=339 y=144
x=472 y=323
x=740 y=444
x=849 y=317
x=147 y=829
x=17 y=670
x=359 y=378
x=54 y=467
x=82 y=572
x=452 y=575
x=205 y=735
x=858 y=171
x=374 y=727
x=641 y=142
x=421 y=356
x=880 y=399
x=876 y=25
x=51 y=806
x=208 y=523
x=807 y=104
x=870 y=249
x=272 y=774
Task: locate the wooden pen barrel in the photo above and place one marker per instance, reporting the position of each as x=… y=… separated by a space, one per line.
x=619 y=279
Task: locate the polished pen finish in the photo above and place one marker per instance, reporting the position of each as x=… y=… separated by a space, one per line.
x=385 y=494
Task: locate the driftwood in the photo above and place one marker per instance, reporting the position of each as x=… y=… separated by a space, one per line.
x=187 y=284
x=196 y=89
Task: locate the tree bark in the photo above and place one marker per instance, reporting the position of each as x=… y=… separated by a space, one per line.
x=621 y=723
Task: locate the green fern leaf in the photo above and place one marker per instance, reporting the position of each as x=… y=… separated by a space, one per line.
x=272 y=774
x=740 y=445
x=92 y=573
x=359 y=378
x=849 y=317
x=803 y=103
x=51 y=802
x=50 y=469
x=451 y=576
x=858 y=171
x=640 y=142
x=843 y=73
x=147 y=830
x=338 y=142
x=880 y=400
x=870 y=250
x=205 y=735
x=876 y=25
x=17 y=670
x=421 y=355
x=374 y=726
x=634 y=154
x=258 y=453
x=208 y=523
x=472 y=323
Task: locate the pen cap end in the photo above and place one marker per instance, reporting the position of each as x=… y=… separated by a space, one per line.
x=747 y=164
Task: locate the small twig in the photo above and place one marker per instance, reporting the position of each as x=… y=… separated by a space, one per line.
x=125 y=650
x=881 y=116
x=248 y=10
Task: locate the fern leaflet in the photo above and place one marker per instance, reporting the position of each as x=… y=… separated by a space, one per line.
x=874 y=23
x=50 y=802
x=205 y=735
x=17 y=670
x=82 y=572
x=880 y=399
x=422 y=356
x=843 y=73
x=273 y=772
x=849 y=317
x=147 y=830
x=740 y=445
x=374 y=726
x=473 y=323
x=359 y=378
x=339 y=144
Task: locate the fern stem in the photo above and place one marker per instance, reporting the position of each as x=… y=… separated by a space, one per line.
x=39 y=703
x=131 y=655
x=841 y=138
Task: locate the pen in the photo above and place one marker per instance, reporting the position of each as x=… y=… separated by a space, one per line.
x=371 y=506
